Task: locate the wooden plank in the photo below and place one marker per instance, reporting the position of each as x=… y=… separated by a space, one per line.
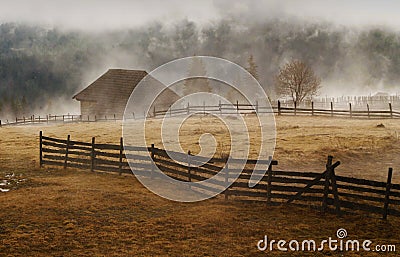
x=54 y=157
x=109 y=162
x=335 y=190
x=40 y=148
x=80 y=143
x=48 y=150
x=152 y=154
x=303 y=197
x=138 y=165
x=361 y=189
x=66 y=152
x=307 y=188
x=107 y=147
x=136 y=157
x=327 y=183
x=53 y=144
x=205 y=187
x=62 y=141
x=387 y=192
x=78 y=147
x=269 y=184
x=121 y=151
x=361 y=181
x=92 y=154
x=136 y=148
x=296 y=174
x=288 y=180
x=226 y=179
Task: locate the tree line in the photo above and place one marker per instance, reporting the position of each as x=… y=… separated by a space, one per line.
x=39 y=65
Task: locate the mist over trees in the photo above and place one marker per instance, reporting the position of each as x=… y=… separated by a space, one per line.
x=41 y=68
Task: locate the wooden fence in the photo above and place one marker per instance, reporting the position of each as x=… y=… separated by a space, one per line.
x=223 y=109
x=229 y=109
x=326 y=190
x=58 y=119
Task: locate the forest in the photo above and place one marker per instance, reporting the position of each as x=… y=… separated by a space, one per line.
x=42 y=67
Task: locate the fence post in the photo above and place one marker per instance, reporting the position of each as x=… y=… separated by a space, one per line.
x=312 y=108
x=154 y=111
x=66 y=152
x=47 y=119
x=41 y=148
x=121 y=150
x=95 y=118
x=326 y=186
x=133 y=114
x=295 y=107
x=0 y=123
x=368 y=110
x=335 y=191
x=226 y=193
x=187 y=108
x=220 y=107
x=204 y=108
x=63 y=118
x=256 y=106
x=115 y=118
x=92 y=155
x=152 y=158
x=331 y=109
x=189 y=169
x=269 y=182
x=237 y=106
x=351 y=112
x=279 y=107
x=391 y=110
x=387 y=193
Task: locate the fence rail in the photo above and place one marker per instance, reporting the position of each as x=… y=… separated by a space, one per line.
x=325 y=191
x=223 y=109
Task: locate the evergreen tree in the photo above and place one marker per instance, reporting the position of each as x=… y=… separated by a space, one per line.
x=252 y=67
x=194 y=85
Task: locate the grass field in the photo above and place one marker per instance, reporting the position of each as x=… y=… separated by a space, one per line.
x=53 y=212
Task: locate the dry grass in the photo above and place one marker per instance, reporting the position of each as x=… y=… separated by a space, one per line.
x=78 y=213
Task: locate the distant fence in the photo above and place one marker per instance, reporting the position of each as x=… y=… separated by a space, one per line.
x=325 y=191
x=58 y=118
x=246 y=109
x=375 y=102
x=223 y=109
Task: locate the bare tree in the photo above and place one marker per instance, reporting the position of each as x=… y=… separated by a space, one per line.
x=297 y=80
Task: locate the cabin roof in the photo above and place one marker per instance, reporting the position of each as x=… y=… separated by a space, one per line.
x=114 y=84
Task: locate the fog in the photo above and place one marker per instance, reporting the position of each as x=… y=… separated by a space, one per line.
x=98 y=15
x=49 y=50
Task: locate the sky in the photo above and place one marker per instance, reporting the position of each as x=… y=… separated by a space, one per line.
x=117 y=14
